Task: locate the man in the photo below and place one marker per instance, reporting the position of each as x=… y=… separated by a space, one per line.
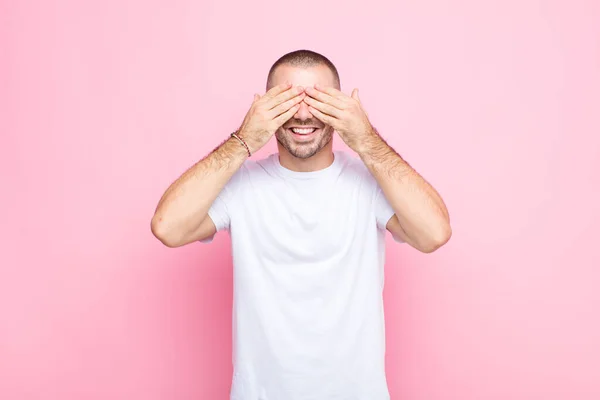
x=307 y=230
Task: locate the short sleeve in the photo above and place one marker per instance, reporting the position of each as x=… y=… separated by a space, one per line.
x=220 y=210
x=383 y=211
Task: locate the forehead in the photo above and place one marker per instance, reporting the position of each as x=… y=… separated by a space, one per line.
x=303 y=76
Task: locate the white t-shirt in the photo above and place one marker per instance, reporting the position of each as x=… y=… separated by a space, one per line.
x=308 y=254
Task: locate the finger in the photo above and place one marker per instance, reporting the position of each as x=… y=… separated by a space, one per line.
x=355 y=95
x=323 y=107
x=256 y=97
x=333 y=92
x=326 y=119
x=284 y=96
x=283 y=107
x=283 y=118
x=325 y=98
x=275 y=90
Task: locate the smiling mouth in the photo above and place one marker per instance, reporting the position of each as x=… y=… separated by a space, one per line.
x=299 y=131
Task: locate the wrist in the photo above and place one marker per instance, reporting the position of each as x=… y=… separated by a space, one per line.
x=253 y=144
x=240 y=138
x=369 y=142
x=235 y=148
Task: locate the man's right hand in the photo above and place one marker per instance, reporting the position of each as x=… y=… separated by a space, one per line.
x=268 y=113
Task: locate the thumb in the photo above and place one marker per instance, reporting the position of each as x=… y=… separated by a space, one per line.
x=355 y=95
x=256 y=96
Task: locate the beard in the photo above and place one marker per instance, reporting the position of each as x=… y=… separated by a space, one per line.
x=304 y=149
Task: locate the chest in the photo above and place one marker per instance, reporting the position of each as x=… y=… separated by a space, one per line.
x=304 y=222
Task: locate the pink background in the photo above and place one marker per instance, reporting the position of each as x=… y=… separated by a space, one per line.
x=103 y=104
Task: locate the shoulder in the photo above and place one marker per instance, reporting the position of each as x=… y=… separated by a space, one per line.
x=239 y=179
x=353 y=166
x=351 y=162
x=252 y=167
x=251 y=171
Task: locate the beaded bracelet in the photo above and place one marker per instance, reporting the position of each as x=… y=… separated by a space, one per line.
x=234 y=134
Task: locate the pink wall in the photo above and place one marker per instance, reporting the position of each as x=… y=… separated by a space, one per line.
x=103 y=105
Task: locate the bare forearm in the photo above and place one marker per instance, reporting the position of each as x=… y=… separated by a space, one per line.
x=420 y=209
x=185 y=203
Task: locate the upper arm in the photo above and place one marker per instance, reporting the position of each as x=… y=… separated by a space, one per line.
x=205 y=232
x=386 y=217
x=394 y=227
x=220 y=212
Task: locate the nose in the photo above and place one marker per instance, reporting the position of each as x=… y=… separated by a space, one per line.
x=303 y=112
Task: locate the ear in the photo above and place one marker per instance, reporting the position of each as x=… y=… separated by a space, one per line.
x=355 y=95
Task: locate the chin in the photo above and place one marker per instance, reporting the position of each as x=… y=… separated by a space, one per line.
x=303 y=153
x=304 y=148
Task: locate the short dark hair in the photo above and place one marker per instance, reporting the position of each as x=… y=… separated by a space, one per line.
x=304 y=59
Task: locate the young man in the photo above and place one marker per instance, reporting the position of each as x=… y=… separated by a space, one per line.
x=307 y=228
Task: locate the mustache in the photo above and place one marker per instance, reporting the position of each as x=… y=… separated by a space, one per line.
x=307 y=122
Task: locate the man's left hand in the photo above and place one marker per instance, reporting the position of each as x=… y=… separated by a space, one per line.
x=344 y=113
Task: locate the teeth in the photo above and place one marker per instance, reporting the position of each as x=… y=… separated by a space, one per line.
x=303 y=131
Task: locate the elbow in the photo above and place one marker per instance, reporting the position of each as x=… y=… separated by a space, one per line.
x=159 y=229
x=438 y=240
